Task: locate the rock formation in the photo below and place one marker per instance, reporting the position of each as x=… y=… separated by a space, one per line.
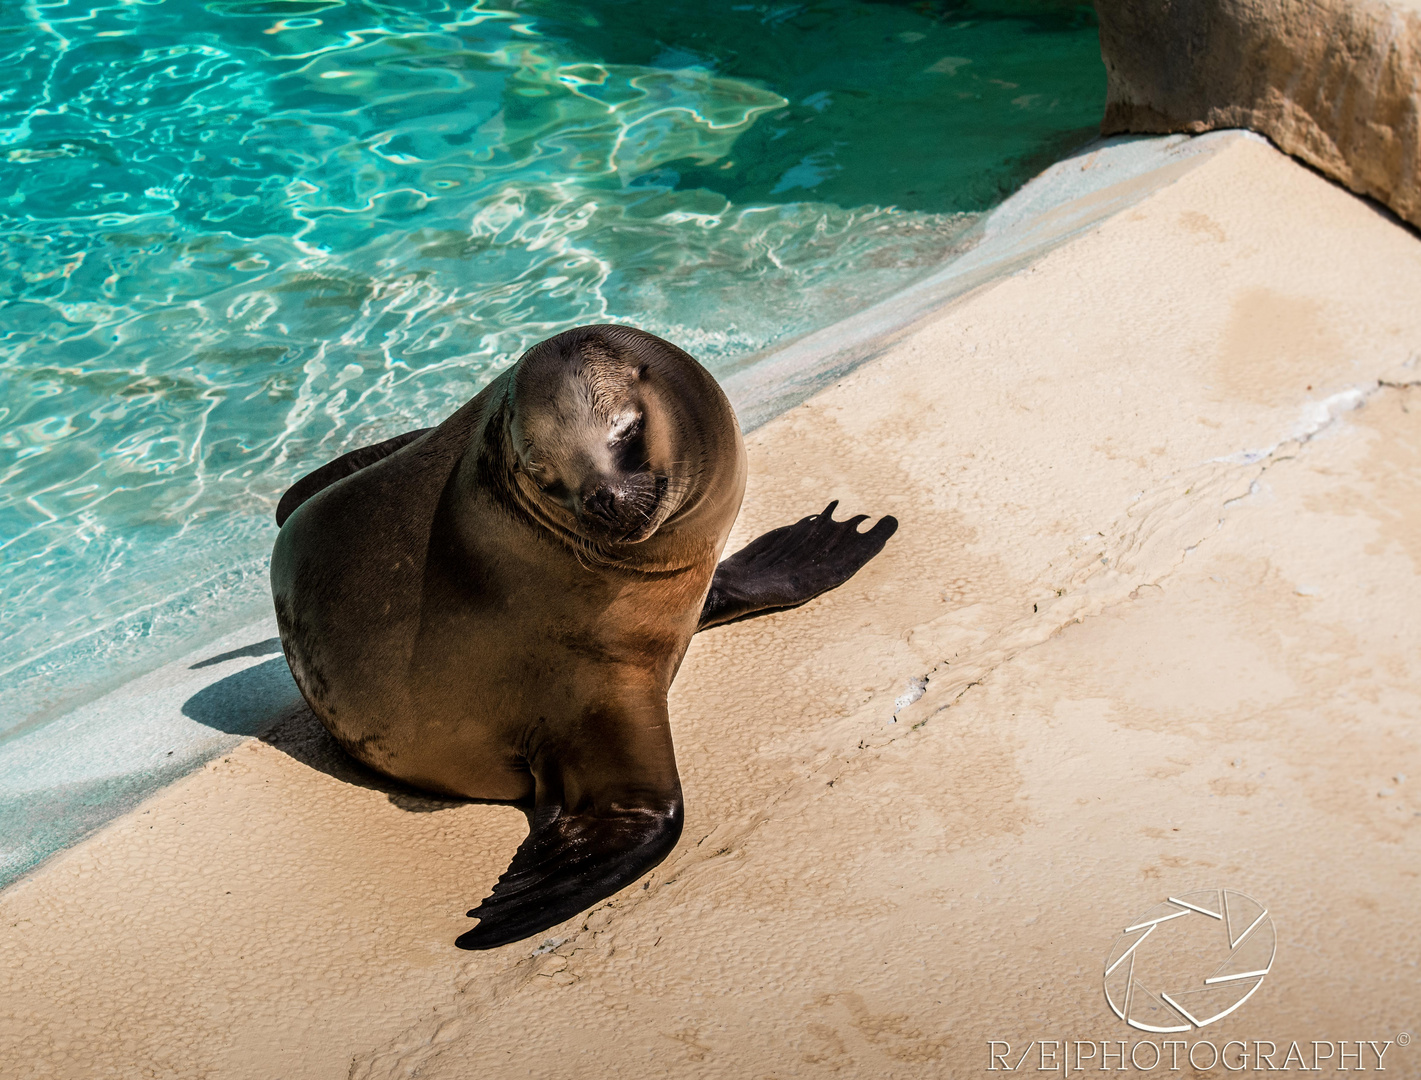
x=1335 y=83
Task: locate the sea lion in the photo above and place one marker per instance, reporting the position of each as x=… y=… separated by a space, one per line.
x=494 y=608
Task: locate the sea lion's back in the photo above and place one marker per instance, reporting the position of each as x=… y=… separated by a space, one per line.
x=348 y=575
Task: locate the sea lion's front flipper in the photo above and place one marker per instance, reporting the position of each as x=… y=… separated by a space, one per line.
x=792 y=565
x=339 y=469
x=567 y=864
x=602 y=818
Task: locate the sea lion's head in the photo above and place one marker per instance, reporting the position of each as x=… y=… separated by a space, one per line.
x=613 y=431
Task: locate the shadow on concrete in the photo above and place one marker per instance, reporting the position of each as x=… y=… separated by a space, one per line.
x=301 y=736
x=262 y=700
x=261 y=648
x=246 y=702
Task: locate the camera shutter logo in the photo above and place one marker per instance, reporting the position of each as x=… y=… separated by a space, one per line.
x=1190 y=960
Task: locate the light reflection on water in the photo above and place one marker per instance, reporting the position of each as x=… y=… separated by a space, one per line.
x=239 y=238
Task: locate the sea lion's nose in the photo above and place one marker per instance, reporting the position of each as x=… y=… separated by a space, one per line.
x=601 y=502
x=620 y=509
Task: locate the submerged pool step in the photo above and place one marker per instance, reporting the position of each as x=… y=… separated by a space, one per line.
x=62 y=780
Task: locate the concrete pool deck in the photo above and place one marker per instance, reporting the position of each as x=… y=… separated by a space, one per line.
x=1149 y=626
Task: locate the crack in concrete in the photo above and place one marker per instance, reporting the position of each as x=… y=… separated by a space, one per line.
x=1317 y=421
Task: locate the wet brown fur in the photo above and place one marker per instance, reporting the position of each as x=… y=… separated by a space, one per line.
x=455 y=629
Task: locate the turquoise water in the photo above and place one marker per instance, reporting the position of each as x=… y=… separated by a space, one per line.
x=240 y=237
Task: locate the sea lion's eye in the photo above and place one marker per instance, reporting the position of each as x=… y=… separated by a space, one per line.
x=625 y=429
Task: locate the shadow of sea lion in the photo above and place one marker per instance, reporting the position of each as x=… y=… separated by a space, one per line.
x=247 y=701
x=261 y=648
x=301 y=736
x=262 y=700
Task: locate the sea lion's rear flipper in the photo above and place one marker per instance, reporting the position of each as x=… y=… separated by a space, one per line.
x=339 y=469
x=792 y=565
x=605 y=814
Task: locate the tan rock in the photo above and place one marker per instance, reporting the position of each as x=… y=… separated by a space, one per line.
x=1335 y=83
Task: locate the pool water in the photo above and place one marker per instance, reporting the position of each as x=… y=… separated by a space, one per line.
x=240 y=237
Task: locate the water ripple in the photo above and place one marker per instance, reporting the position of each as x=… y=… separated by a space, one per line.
x=239 y=238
